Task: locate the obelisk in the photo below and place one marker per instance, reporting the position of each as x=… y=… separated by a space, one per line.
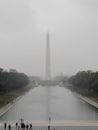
x=48 y=63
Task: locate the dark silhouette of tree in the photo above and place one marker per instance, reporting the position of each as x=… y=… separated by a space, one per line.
x=86 y=80
x=12 y=80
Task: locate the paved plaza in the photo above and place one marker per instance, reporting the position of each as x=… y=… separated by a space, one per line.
x=59 y=128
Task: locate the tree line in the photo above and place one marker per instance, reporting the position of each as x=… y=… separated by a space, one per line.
x=12 y=80
x=85 y=80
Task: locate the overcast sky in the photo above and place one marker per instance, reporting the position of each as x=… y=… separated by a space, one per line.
x=73 y=27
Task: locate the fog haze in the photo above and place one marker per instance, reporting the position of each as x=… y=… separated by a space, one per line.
x=73 y=27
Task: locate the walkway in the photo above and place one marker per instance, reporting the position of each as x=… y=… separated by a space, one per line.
x=61 y=126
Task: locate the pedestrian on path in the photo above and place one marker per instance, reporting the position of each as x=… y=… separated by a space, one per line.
x=9 y=127
x=23 y=126
x=48 y=127
x=5 y=125
x=50 y=119
x=27 y=126
x=16 y=125
x=30 y=127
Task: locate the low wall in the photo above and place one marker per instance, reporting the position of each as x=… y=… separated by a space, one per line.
x=89 y=101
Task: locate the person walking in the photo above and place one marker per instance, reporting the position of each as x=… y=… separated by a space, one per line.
x=27 y=126
x=48 y=127
x=50 y=119
x=23 y=126
x=9 y=127
x=16 y=125
x=5 y=125
x=30 y=127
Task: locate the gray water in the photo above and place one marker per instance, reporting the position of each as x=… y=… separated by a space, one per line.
x=56 y=102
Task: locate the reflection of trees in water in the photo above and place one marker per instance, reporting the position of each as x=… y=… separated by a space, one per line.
x=55 y=102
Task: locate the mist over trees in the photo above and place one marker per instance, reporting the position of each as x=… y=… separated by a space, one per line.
x=12 y=80
x=85 y=80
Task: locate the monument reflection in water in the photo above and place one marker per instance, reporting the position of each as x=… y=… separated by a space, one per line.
x=57 y=102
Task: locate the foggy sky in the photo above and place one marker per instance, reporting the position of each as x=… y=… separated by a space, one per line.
x=73 y=27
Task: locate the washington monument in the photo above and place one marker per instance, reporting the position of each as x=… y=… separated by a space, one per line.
x=48 y=62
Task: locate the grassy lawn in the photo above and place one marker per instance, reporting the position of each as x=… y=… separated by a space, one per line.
x=91 y=95
x=6 y=98
x=95 y=99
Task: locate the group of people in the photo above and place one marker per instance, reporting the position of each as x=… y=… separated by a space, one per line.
x=19 y=126
x=5 y=126
x=22 y=126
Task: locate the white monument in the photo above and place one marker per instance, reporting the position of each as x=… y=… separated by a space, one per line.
x=48 y=63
